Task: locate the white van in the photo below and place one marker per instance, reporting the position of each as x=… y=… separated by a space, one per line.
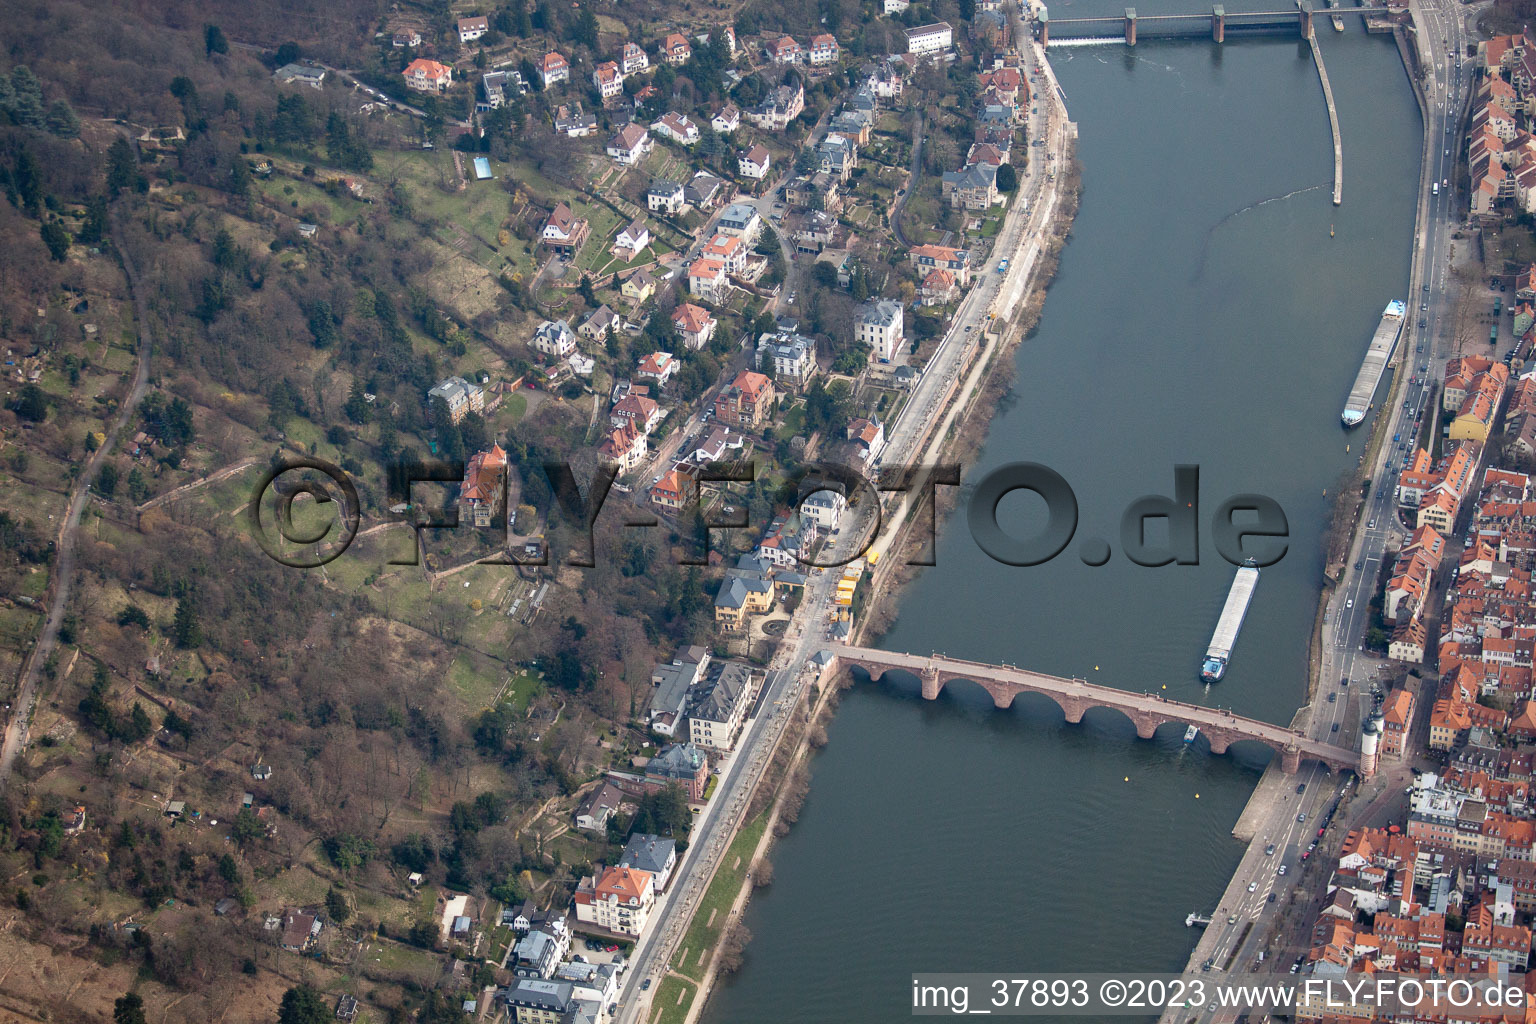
x=1434 y=189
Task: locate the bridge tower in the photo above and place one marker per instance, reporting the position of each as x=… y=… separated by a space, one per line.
x=1130 y=26
x=1304 y=18
x=1290 y=759
x=931 y=686
x=1370 y=742
x=1218 y=24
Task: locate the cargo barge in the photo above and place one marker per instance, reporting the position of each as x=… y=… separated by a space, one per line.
x=1231 y=621
x=1383 y=343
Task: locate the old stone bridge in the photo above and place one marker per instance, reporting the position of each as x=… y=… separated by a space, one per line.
x=1076 y=696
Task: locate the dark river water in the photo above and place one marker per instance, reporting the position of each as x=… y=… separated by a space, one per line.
x=1201 y=314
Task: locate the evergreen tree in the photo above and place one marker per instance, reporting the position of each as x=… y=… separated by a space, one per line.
x=26 y=106
x=302 y=1005
x=61 y=120
x=56 y=239
x=122 y=167
x=186 y=629
x=129 y=1009
x=214 y=41
x=94 y=228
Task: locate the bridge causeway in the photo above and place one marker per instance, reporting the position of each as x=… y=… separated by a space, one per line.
x=1076 y=696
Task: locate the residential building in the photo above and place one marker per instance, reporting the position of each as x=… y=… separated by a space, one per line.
x=868 y=439
x=754 y=162
x=618 y=900
x=299 y=930
x=727 y=120
x=636 y=411
x=740 y=596
x=718 y=705
x=729 y=250
x=564 y=232
x=824 y=508
x=742 y=221
x=427 y=76
x=657 y=368
x=665 y=196
x=670 y=492
x=879 y=327
x=927 y=40
x=667 y=712
x=784 y=50
x=1397 y=720
x=790 y=357
x=493 y=90
x=630 y=144
x=653 y=854
x=728 y=32
x=780 y=106
x=694 y=325
x=554 y=338
x=747 y=402
x=973 y=187
x=409 y=38
x=623 y=446
x=539 y=1001
x=823 y=50
x=704 y=190
x=471 y=29
x=459 y=395
x=684 y=764
x=676 y=49
x=677 y=127
x=571 y=121
x=598 y=806
x=553 y=68
x=631 y=242
x=720 y=445
x=896 y=6
x=938 y=288
x=303 y=74
x=541 y=948
x=638 y=287
x=706 y=279
x=942 y=257
x=480 y=495
x=596 y=327
x=632 y=59
x=608 y=79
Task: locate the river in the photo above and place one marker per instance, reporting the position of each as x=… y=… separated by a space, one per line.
x=1201 y=314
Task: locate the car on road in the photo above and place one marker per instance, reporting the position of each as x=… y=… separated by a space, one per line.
x=1269 y=850
x=1424 y=307
x=1271 y=898
x=1283 y=869
x=1295 y=968
x=1335 y=727
x=1349 y=602
x=645 y=984
x=1253 y=886
x=1332 y=697
x=1302 y=817
x=1301 y=787
x=1372 y=524
x=1359 y=566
